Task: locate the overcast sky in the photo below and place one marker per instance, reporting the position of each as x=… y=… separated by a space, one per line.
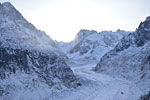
x=62 y=19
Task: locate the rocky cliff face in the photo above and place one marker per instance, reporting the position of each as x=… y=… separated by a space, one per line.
x=130 y=57
x=29 y=59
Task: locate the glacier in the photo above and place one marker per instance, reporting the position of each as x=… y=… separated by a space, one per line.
x=102 y=65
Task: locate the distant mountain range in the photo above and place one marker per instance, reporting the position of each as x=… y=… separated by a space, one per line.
x=33 y=66
x=89 y=46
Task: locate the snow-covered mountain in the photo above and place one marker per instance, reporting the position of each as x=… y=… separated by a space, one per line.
x=33 y=66
x=131 y=57
x=30 y=66
x=89 y=46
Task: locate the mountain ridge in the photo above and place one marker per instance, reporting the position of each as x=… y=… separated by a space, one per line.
x=130 y=57
x=34 y=66
x=29 y=60
x=89 y=45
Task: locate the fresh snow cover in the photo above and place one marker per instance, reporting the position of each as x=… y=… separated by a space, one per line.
x=89 y=46
x=130 y=58
x=16 y=32
x=35 y=67
x=31 y=66
x=97 y=86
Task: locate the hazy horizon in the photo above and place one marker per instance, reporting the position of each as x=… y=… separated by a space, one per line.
x=62 y=19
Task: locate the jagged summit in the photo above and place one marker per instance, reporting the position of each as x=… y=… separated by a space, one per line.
x=20 y=33
x=7 y=5
x=142 y=34
x=8 y=10
x=83 y=33
x=145 y=26
x=148 y=18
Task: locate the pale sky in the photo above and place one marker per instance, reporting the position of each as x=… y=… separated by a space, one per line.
x=62 y=19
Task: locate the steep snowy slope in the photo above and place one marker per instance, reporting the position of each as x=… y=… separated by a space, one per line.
x=16 y=30
x=90 y=46
x=131 y=57
x=29 y=63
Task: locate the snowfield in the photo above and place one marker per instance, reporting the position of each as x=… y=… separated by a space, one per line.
x=106 y=87
x=96 y=86
x=35 y=67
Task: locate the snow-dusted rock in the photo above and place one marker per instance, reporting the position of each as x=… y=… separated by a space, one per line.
x=30 y=65
x=131 y=57
x=16 y=32
x=89 y=46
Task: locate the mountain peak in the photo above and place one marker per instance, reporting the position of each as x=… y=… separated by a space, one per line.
x=7 y=4
x=148 y=18
x=7 y=10
x=85 y=32
x=145 y=26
